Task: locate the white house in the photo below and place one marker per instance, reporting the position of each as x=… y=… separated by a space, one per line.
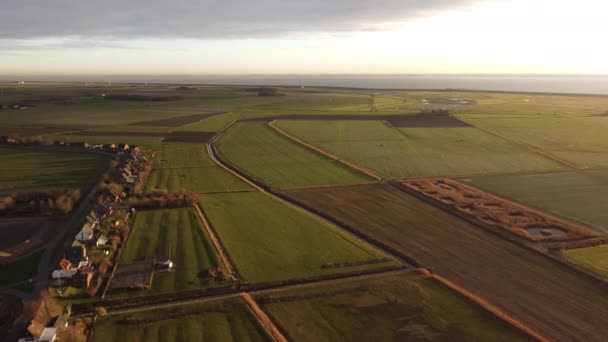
x=63 y=274
x=86 y=233
x=101 y=241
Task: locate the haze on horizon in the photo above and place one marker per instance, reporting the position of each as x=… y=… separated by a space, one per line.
x=304 y=37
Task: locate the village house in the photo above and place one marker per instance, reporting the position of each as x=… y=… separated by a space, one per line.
x=86 y=233
x=83 y=277
x=77 y=255
x=65 y=270
x=102 y=241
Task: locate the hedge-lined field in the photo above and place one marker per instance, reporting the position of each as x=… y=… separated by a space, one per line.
x=400 y=153
x=269 y=240
x=179 y=232
x=227 y=320
x=397 y=308
x=278 y=162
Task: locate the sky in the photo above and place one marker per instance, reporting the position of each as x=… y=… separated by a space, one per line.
x=237 y=37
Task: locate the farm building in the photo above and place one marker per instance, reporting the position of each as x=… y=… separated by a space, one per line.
x=136 y=275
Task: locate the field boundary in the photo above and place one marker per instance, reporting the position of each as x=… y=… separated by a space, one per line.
x=489 y=307
x=323 y=152
x=526 y=146
x=262 y=318
x=232 y=271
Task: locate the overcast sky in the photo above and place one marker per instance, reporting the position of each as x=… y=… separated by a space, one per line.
x=313 y=36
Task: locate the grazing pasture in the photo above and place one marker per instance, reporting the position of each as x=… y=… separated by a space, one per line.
x=578 y=140
x=278 y=162
x=270 y=240
x=577 y=195
x=566 y=305
x=397 y=308
x=178 y=234
x=31 y=168
x=212 y=124
x=227 y=320
x=593 y=258
x=405 y=152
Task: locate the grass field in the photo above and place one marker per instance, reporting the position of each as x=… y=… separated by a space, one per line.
x=227 y=321
x=593 y=258
x=399 y=153
x=555 y=300
x=398 y=308
x=179 y=232
x=269 y=240
x=578 y=195
x=579 y=140
x=278 y=162
x=29 y=168
x=189 y=166
x=212 y=124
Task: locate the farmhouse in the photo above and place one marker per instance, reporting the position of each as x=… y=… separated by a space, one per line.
x=77 y=255
x=102 y=241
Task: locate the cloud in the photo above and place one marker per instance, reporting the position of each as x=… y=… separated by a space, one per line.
x=204 y=19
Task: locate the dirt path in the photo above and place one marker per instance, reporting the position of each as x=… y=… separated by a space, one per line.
x=263 y=318
x=324 y=153
x=230 y=268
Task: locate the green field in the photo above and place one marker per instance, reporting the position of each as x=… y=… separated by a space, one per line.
x=189 y=166
x=227 y=321
x=407 y=307
x=269 y=240
x=212 y=124
x=592 y=258
x=399 y=153
x=578 y=140
x=262 y=153
x=179 y=232
x=578 y=195
x=29 y=168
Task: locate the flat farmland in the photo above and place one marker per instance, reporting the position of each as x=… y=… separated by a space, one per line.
x=278 y=162
x=397 y=308
x=176 y=232
x=29 y=168
x=592 y=258
x=195 y=179
x=212 y=124
x=401 y=153
x=579 y=140
x=189 y=166
x=553 y=299
x=227 y=320
x=269 y=240
x=577 y=195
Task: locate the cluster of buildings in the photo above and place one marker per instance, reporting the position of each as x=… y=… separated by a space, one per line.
x=75 y=265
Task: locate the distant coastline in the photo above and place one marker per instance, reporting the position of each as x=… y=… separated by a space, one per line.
x=560 y=84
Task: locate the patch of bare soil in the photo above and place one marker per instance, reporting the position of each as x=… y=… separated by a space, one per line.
x=494 y=211
x=185 y=136
x=20 y=236
x=178 y=121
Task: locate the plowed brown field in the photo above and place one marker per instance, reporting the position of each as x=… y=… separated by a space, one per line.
x=558 y=301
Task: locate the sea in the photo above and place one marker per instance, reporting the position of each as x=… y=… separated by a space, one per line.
x=514 y=83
